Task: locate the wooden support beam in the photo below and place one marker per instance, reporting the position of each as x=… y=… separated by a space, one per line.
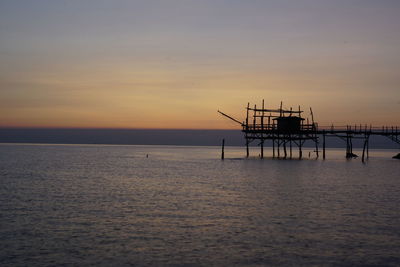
x=284 y=148
x=273 y=147
x=323 y=144
x=247 y=128
x=223 y=148
x=300 y=148
x=363 y=153
x=262 y=130
x=279 y=144
x=262 y=149
x=247 y=148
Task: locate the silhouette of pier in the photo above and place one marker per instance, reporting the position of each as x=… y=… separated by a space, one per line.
x=287 y=128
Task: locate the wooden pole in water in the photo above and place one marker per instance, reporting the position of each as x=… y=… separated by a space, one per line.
x=273 y=147
x=262 y=148
x=314 y=127
x=300 y=150
x=262 y=130
x=284 y=148
x=347 y=141
x=365 y=144
x=273 y=138
x=300 y=136
x=323 y=144
x=247 y=148
x=278 y=146
x=223 y=148
x=351 y=146
x=290 y=146
x=254 y=118
x=247 y=129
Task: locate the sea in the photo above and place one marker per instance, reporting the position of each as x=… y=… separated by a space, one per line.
x=130 y=205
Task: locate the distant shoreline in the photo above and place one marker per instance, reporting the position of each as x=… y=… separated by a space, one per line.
x=163 y=137
x=266 y=148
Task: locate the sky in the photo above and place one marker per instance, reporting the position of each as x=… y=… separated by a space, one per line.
x=171 y=64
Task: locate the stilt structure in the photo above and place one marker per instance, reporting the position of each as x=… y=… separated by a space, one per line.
x=283 y=127
x=287 y=127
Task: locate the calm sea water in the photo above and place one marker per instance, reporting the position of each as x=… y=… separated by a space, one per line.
x=112 y=205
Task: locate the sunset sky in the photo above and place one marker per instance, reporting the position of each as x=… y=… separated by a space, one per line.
x=173 y=64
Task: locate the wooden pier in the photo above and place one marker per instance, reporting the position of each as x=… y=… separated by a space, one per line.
x=287 y=128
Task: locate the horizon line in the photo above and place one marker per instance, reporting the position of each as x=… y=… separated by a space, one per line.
x=111 y=128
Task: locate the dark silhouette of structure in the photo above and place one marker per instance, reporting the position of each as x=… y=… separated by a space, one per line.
x=287 y=128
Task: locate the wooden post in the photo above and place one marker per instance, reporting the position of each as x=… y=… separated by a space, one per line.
x=273 y=137
x=351 y=146
x=273 y=146
x=262 y=130
x=262 y=149
x=284 y=149
x=363 y=153
x=247 y=148
x=300 y=135
x=290 y=146
x=300 y=150
x=223 y=147
x=278 y=143
x=247 y=129
x=323 y=144
x=254 y=118
x=314 y=127
x=347 y=145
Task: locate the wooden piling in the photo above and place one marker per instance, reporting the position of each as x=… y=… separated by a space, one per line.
x=223 y=148
x=300 y=135
x=284 y=149
x=247 y=129
x=314 y=128
x=300 y=150
x=273 y=138
x=363 y=153
x=247 y=148
x=323 y=144
x=262 y=131
x=262 y=149
x=273 y=148
x=278 y=147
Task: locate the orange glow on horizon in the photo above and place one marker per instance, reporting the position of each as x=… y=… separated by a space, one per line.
x=137 y=71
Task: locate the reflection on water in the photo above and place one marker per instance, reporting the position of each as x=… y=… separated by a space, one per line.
x=104 y=205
